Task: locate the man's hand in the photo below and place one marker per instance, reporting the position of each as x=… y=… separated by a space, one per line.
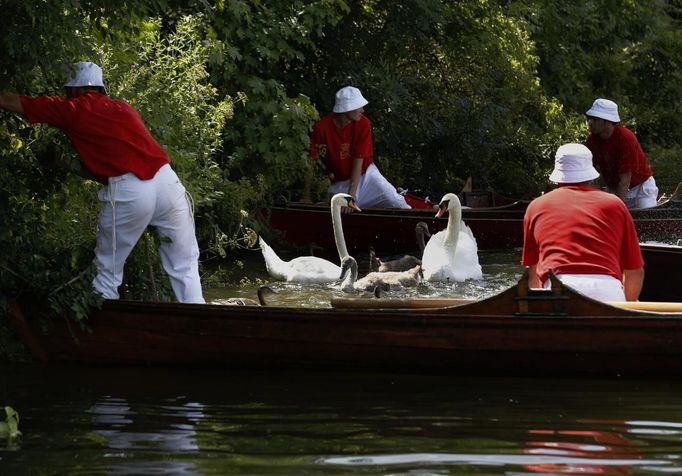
x=10 y=102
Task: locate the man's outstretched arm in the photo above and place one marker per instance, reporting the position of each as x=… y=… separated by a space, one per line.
x=10 y=102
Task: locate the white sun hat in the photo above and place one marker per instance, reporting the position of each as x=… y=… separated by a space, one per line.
x=604 y=109
x=86 y=73
x=573 y=164
x=349 y=99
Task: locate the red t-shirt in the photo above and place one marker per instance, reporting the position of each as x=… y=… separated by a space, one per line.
x=619 y=154
x=108 y=134
x=580 y=230
x=338 y=147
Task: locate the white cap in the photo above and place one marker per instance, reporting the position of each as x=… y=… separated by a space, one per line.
x=86 y=74
x=573 y=164
x=349 y=99
x=604 y=109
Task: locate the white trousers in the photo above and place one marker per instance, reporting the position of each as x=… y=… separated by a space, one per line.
x=597 y=286
x=129 y=206
x=374 y=191
x=643 y=195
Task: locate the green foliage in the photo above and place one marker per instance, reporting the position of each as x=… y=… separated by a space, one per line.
x=265 y=48
x=452 y=89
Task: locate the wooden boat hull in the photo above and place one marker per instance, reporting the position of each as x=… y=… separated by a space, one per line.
x=517 y=332
x=393 y=231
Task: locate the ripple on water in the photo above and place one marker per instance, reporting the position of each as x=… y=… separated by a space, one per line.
x=501 y=269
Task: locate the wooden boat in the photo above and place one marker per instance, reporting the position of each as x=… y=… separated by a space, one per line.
x=662 y=272
x=391 y=231
x=520 y=331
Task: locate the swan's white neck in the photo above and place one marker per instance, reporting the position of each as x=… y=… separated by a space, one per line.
x=348 y=283
x=338 y=230
x=454 y=220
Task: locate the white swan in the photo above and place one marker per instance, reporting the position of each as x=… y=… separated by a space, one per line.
x=388 y=281
x=451 y=254
x=311 y=269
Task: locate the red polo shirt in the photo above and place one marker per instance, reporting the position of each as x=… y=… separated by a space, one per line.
x=580 y=230
x=619 y=154
x=339 y=146
x=108 y=134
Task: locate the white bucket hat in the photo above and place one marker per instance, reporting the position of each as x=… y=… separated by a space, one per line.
x=604 y=109
x=86 y=74
x=573 y=164
x=349 y=99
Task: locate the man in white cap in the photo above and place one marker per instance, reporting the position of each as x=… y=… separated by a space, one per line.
x=619 y=157
x=140 y=187
x=585 y=235
x=343 y=141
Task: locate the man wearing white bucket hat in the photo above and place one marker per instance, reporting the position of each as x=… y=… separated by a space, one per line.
x=140 y=187
x=619 y=157
x=586 y=236
x=343 y=141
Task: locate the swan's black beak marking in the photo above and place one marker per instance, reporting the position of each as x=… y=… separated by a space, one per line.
x=442 y=208
x=351 y=203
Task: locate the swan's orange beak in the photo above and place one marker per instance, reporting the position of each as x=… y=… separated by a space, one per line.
x=351 y=203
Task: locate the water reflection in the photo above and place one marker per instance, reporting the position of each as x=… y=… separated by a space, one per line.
x=114 y=419
x=614 y=451
x=210 y=422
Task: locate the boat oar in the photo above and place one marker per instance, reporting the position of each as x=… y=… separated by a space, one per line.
x=648 y=306
x=408 y=303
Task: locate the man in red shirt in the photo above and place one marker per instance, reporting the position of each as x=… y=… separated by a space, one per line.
x=140 y=187
x=619 y=157
x=586 y=236
x=343 y=141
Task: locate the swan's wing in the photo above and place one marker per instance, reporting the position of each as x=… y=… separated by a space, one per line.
x=311 y=269
x=433 y=251
x=435 y=258
x=441 y=265
x=466 y=264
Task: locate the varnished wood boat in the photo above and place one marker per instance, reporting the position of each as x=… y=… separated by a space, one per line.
x=520 y=331
x=391 y=231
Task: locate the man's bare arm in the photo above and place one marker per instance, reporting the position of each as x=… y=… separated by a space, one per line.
x=623 y=184
x=633 y=279
x=355 y=174
x=10 y=102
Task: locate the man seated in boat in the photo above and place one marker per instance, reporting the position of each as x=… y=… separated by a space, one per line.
x=619 y=157
x=587 y=236
x=343 y=142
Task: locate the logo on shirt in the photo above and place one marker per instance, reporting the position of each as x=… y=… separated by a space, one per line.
x=344 y=152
